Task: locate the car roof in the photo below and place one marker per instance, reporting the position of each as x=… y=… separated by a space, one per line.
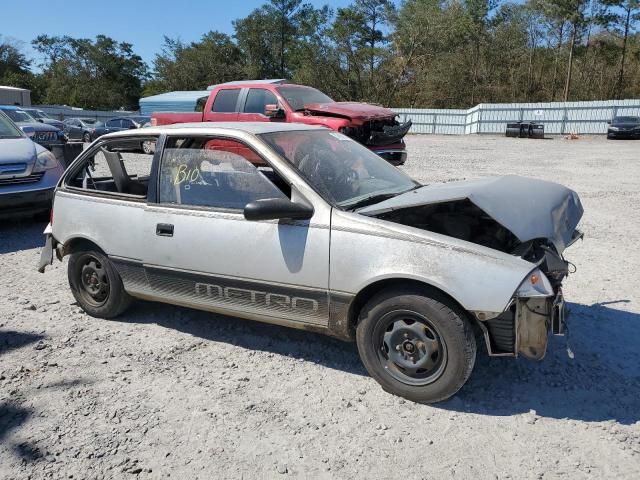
x=12 y=107
x=216 y=128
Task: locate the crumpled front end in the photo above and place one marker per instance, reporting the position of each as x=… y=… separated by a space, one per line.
x=378 y=132
x=531 y=219
x=536 y=309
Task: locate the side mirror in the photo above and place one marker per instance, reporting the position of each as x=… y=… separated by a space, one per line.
x=273 y=110
x=28 y=131
x=609 y=122
x=277 y=208
x=40 y=120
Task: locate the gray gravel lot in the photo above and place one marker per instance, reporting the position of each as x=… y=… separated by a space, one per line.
x=167 y=391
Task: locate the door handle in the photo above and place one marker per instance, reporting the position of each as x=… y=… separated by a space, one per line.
x=164 y=229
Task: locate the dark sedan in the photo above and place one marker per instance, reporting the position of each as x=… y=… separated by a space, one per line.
x=85 y=129
x=131 y=123
x=126 y=123
x=46 y=135
x=624 y=127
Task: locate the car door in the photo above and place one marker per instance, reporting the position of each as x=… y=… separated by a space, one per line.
x=113 y=125
x=254 y=105
x=73 y=129
x=225 y=106
x=202 y=252
x=127 y=124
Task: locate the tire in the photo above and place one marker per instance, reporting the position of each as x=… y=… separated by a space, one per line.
x=96 y=285
x=147 y=147
x=400 y=330
x=86 y=137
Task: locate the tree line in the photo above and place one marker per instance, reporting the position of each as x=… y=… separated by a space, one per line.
x=415 y=53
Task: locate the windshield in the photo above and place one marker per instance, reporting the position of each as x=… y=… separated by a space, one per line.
x=35 y=113
x=8 y=129
x=626 y=120
x=341 y=170
x=19 y=116
x=298 y=97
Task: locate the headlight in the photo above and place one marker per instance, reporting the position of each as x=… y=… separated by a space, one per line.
x=45 y=161
x=536 y=284
x=615 y=129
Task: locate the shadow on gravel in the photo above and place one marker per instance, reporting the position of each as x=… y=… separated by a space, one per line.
x=10 y=340
x=601 y=383
x=308 y=346
x=21 y=234
x=12 y=417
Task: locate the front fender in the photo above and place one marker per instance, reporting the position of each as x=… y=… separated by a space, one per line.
x=366 y=250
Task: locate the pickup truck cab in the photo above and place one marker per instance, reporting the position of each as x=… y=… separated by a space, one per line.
x=374 y=126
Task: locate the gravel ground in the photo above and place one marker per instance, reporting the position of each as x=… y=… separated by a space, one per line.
x=167 y=391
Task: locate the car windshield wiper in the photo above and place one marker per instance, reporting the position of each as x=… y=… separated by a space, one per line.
x=369 y=200
x=377 y=198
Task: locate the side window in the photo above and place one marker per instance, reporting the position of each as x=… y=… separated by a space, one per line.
x=117 y=167
x=200 y=104
x=215 y=172
x=258 y=99
x=226 y=100
x=126 y=123
x=113 y=123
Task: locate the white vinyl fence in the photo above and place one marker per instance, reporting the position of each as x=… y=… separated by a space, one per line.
x=558 y=118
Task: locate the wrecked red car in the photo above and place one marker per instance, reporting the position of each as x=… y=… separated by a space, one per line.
x=278 y=101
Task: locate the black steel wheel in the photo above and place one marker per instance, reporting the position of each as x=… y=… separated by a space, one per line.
x=410 y=347
x=94 y=281
x=417 y=343
x=96 y=284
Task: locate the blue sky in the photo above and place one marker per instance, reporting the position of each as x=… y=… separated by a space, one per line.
x=141 y=23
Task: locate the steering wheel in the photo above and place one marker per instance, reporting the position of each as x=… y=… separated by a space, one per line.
x=328 y=172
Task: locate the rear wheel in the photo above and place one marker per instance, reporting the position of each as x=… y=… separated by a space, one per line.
x=416 y=344
x=96 y=285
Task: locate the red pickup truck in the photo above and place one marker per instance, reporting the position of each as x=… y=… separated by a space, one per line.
x=277 y=101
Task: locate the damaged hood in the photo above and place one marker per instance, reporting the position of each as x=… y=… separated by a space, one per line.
x=351 y=110
x=528 y=208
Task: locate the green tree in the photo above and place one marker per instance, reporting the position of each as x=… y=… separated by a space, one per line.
x=95 y=74
x=621 y=17
x=214 y=59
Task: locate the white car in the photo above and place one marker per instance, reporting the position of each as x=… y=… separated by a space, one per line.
x=302 y=226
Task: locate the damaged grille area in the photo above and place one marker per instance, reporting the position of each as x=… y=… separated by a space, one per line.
x=502 y=332
x=378 y=132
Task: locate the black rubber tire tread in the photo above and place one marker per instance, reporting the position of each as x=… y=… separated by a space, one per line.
x=118 y=301
x=453 y=325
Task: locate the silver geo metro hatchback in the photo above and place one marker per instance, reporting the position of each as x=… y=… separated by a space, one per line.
x=301 y=226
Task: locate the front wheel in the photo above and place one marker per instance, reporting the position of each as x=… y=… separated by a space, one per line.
x=417 y=345
x=96 y=285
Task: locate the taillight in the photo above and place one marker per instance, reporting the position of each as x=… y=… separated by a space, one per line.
x=51 y=216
